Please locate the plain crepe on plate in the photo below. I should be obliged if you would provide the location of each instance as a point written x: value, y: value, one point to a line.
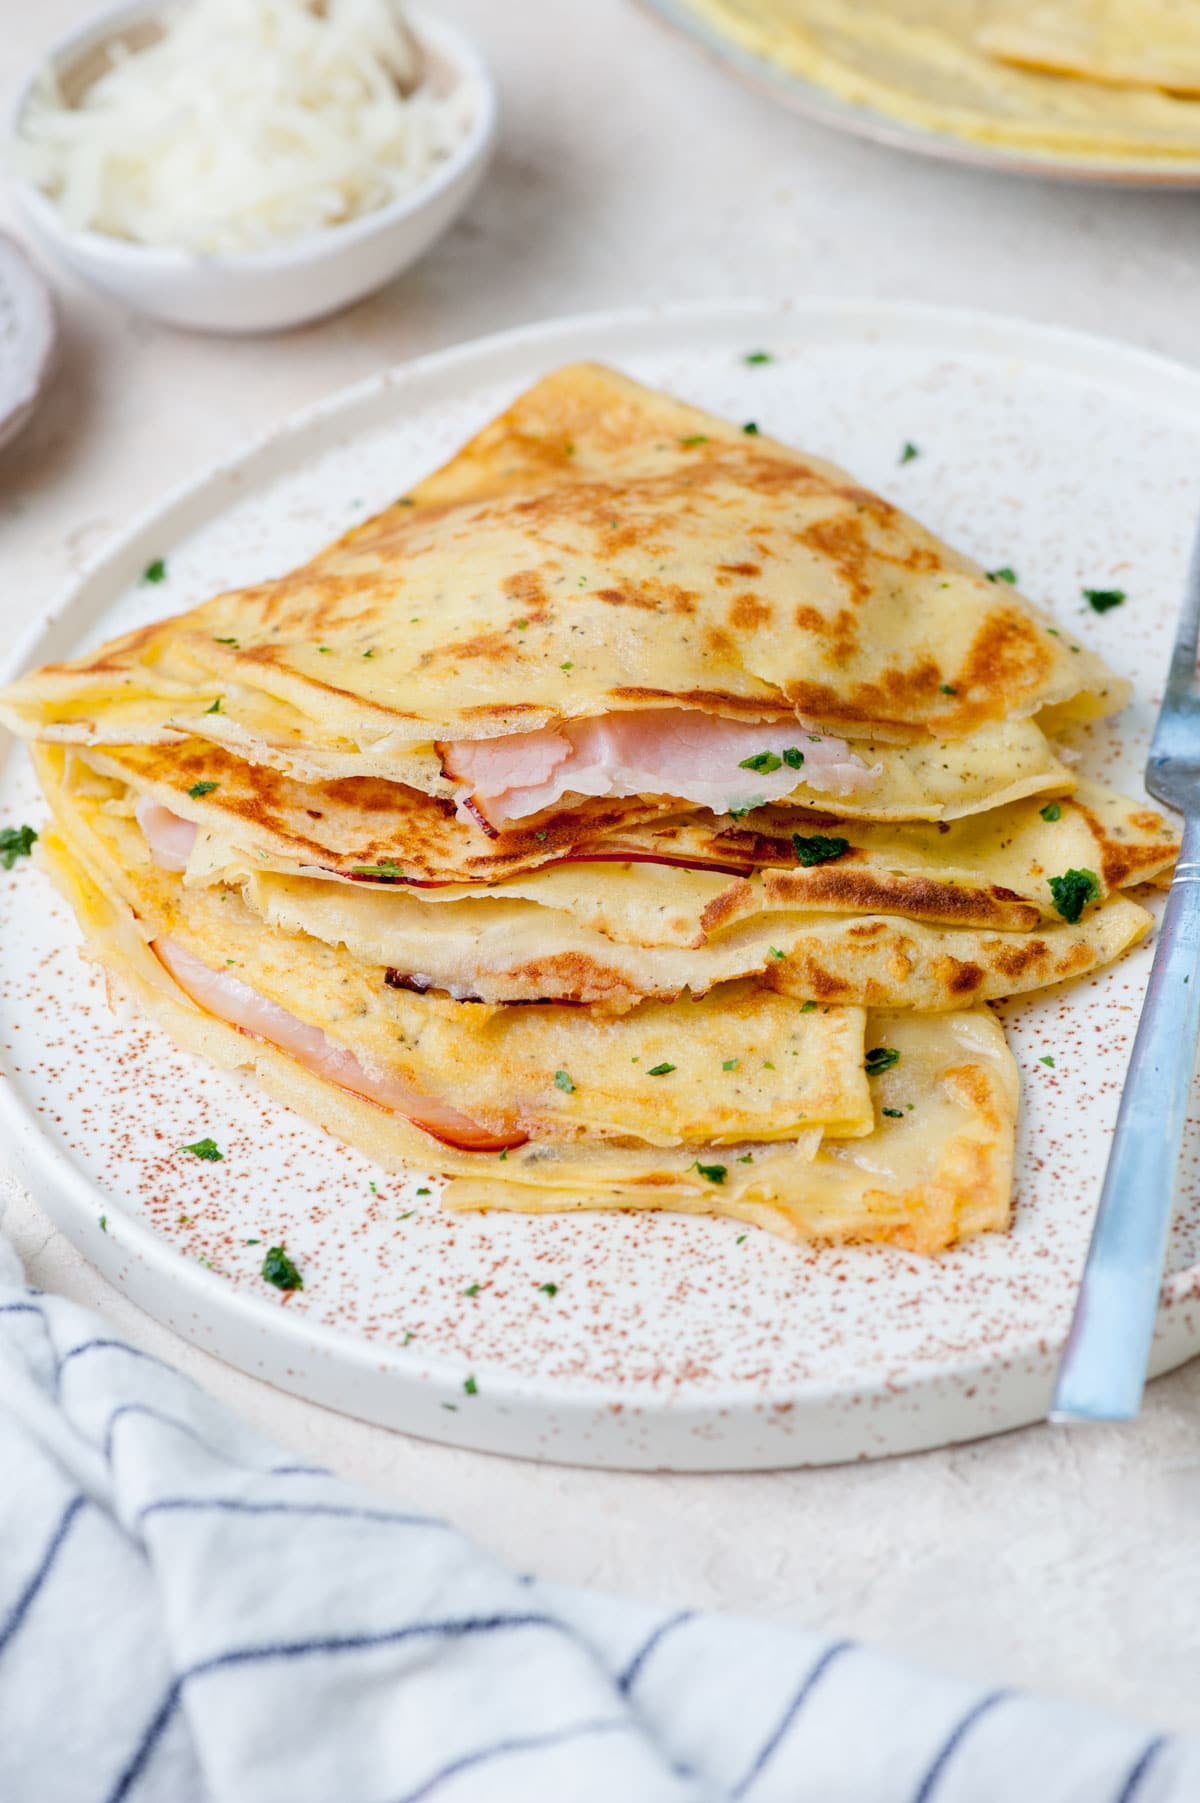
x: 624, y: 817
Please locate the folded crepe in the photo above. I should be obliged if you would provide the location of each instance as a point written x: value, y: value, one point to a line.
x: 579, y: 827
x: 748, y: 1108
x: 606, y: 593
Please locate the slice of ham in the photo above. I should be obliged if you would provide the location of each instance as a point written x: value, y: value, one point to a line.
x: 680, y: 752
x: 169, y: 837
x: 231, y: 1000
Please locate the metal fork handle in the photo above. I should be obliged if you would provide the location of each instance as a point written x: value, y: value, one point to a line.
x: 1103, y: 1371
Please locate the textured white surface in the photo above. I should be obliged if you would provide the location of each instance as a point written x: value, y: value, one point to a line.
x: 630, y: 172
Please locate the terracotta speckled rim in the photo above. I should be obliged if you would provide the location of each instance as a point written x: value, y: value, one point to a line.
x: 597, y: 1423
x: 823, y: 108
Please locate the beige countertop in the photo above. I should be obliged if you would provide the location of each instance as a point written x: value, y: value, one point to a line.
x: 631, y: 172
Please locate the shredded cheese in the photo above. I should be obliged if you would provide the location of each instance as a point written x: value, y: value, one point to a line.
x: 245, y: 123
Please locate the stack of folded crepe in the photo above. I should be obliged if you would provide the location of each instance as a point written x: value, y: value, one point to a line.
x: 636, y: 814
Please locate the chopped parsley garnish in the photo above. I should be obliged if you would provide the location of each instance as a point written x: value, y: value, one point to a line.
x: 472, y: 1289
x: 695, y: 438
x: 156, y: 571
x: 909, y: 452
x: 325, y: 650
x: 278, y: 1269
x: 406, y: 501
x: 562, y: 1080
x: 252, y: 1242
x: 949, y: 689
x: 224, y: 641
x: 1052, y: 811
x: 753, y: 357
x: 1101, y: 599
x: 548, y: 1289
x: 424, y: 1192
x: 1004, y: 574
x: 1073, y: 891
x: 762, y: 761
x: 793, y: 757
x: 660, y: 1070
x: 740, y: 1238
x: 388, y: 870
x: 893, y: 1114
x: 808, y: 1007
x: 730, y: 1064
x: 774, y: 952
x: 371, y: 1186
x: 880, y: 1058
x: 206, y: 1149
x: 750, y: 429
x: 470, y: 1386
x: 541, y: 837
x: 369, y: 653
x: 1047, y: 1060
x: 215, y: 708
x: 715, y: 1173
x: 104, y: 1223
x: 199, y: 789
x: 15, y: 842
x: 521, y: 625
x: 817, y: 849
x: 567, y: 665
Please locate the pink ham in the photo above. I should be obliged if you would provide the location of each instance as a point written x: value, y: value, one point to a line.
x: 169, y: 837
x: 231, y: 1000
x: 681, y: 752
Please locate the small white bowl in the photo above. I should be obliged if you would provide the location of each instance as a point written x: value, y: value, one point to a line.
x: 288, y: 284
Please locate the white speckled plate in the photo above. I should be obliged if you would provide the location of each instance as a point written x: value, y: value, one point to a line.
x: 823, y: 107
x: 670, y: 1341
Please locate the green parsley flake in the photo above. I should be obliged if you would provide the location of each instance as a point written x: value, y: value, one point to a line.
x: 541, y: 837
x: 1047, y: 1060
x: 252, y: 1242
x: 893, y: 1114
x: 1051, y: 812
x: 369, y: 653
x: 762, y: 761
x: 388, y: 871
x: 156, y: 571
x: 424, y: 1192
x: 694, y: 439
x: 949, y: 689
x: 750, y: 429
x: 1101, y: 599
x: 562, y: 1080
x: 793, y: 757
x: 880, y: 1058
x: 278, y: 1269
x: 660, y: 1070
x: 206, y: 1149
x: 372, y: 1188
x: 774, y: 952
x: 909, y: 452
x: 817, y: 849
x: 215, y: 708
x: 753, y: 357
x: 224, y: 641
x: 470, y: 1386
x: 406, y: 501
x: 808, y: 1007
x: 1004, y: 574
x: 548, y: 1289
x: 521, y: 625
x: 730, y: 1064
x: 472, y: 1289
x: 567, y: 665
x: 1073, y: 891
x: 104, y: 1223
x: 740, y: 1238
x: 199, y: 789
x: 15, y: 842
x: 715, y: 1173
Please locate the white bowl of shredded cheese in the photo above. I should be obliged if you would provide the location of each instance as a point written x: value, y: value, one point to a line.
x: 247, y: 165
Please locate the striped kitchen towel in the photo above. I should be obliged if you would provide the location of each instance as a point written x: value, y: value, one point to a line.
x: 189, y: 1616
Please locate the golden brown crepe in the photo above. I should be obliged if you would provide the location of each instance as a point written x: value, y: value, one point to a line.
x: 602, y: 548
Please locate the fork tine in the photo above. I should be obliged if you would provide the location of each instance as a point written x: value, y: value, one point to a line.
x: 1182, y: 673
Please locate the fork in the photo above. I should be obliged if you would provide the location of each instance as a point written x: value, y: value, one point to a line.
x: 1103, y: 1370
